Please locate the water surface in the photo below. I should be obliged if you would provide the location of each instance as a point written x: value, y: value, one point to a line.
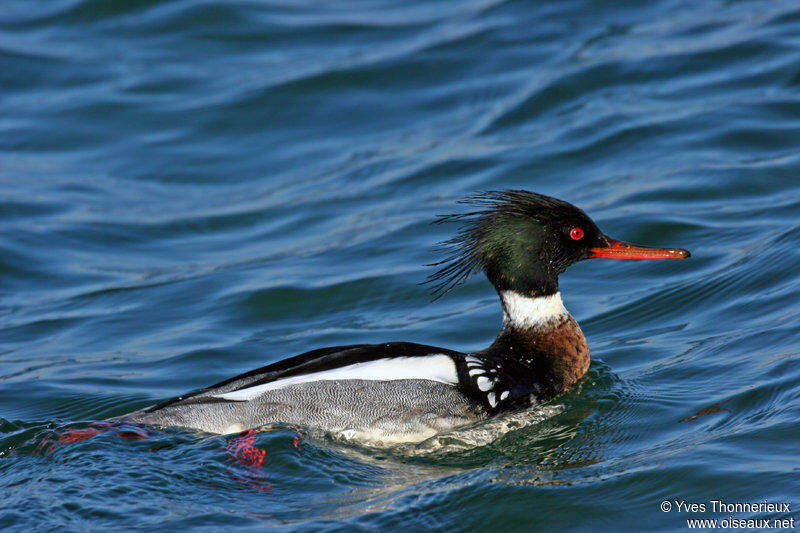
x: 192, y: 189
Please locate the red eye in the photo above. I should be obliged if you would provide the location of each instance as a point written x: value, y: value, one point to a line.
x: 576, y: 234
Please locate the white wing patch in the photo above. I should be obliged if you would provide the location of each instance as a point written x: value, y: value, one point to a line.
x: 492, y: 400
x: 473, y: 362
x: 434, y: 367
x: 485, y: 383
x: 485, y: 379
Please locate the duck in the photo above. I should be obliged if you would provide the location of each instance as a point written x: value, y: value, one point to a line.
x: 522, y: 241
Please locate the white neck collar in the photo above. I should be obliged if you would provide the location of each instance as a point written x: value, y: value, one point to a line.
x: 523, y: 312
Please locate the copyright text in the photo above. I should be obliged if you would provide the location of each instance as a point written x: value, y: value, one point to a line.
x: 731, y: 509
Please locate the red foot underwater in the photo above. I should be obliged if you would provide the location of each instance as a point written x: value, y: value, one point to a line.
x: 48, y: 446
x: 249, y: 461
x: 248, y: 458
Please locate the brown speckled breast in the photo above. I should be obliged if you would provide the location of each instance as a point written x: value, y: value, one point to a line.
x: 556, y: 353
x: 565, y: 352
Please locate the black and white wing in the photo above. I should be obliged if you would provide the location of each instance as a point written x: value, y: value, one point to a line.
x: 500, y: 384
x: 381, y: 362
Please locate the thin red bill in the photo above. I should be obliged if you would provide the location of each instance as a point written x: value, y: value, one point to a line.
x: 623, y: 250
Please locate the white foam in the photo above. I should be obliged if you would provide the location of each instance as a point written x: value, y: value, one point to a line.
x: 482, y: 433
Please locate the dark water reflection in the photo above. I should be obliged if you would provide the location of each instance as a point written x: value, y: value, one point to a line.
x: 189, y: 190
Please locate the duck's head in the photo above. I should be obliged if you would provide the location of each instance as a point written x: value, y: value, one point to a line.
x: 524, y: 240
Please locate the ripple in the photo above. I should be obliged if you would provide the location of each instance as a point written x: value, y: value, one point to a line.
x: 192, y: 189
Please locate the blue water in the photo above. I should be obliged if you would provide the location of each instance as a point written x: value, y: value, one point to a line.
x: 191, y: 189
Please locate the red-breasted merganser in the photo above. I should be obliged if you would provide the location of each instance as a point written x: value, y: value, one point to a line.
x: 401, y: 391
